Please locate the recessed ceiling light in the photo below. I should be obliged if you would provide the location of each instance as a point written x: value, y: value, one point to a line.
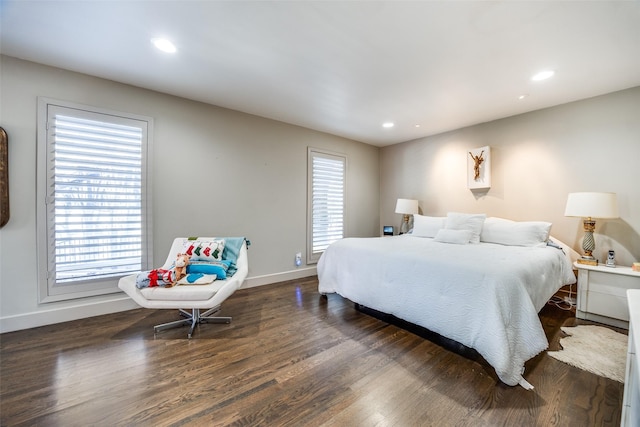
x: 164, y: 45
x: 542, y: 75
x: 417, y: 126
x: 388, y: 125
x: 523, y: 96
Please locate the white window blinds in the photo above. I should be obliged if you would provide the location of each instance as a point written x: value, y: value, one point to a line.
x: 95, y: 198
x: 327, y: 201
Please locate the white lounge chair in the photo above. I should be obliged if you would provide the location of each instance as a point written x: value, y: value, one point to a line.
x: 207, y: 297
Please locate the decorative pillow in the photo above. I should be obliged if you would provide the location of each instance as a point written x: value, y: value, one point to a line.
x: 427, y: 226
x: 515, y: 233
x: 219, y: 268
x: 459, y: 237
x: 462, y: 221
x: 197, y: 279
x: 201, y: 250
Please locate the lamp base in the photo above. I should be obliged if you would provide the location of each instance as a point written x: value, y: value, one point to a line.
x: 587, y: 261
x: 404, y: 226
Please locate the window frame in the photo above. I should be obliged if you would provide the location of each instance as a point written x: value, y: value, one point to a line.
x: 314, y: 256
x: 48, y: 289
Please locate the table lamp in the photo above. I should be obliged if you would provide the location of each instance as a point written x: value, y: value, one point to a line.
x: 589, y: 206
x: 406, y: 207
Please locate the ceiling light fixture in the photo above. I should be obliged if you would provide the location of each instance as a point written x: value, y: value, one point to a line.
x: 523, y: 96
x: 388, y: 125
x: 542, y: 75
x: 164, y: 45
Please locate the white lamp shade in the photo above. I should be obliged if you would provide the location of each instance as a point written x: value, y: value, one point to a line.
x: 594, y: 205
x: 407, y: 206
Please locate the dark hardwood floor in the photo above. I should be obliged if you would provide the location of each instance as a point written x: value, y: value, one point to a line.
x: 289, y: 358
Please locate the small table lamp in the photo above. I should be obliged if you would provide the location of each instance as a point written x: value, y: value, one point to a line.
x: 591, y: 205
x: 406, y: 207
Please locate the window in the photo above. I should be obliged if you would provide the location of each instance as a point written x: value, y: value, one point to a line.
x: 326, y: 201
x: 93, y: 207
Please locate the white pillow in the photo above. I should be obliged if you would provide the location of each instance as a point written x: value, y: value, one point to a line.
x: 515, y: 233
x: 427, y: 226
x: 459, y: 237
x: 471, y: 222
x: 197, y: 279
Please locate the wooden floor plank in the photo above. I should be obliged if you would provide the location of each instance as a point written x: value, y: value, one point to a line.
x: 290, y: 357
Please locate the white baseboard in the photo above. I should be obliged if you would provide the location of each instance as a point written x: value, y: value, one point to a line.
x: 267, y: 279
x: 65, y: 314
x: 121, y: 303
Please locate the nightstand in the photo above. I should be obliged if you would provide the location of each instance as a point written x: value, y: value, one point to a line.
x: 602, y: 293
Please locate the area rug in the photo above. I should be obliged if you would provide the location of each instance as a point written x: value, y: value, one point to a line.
x: 596, y: 349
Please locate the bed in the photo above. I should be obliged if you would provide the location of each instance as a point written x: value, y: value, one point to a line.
x: 482, y: 288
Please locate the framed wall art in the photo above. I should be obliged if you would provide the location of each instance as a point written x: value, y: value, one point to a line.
x: 479, y: 168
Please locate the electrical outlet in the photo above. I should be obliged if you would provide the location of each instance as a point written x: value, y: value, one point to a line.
x: 298, y: 259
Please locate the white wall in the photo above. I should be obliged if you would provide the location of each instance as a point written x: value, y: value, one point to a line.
x: 537, y: 159
x: 258, y: 187
x: 216, y: 172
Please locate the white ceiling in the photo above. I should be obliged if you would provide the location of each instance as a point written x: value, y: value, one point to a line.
x: 343, y: 67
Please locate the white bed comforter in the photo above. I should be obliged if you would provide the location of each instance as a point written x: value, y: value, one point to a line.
x: 485, y: 296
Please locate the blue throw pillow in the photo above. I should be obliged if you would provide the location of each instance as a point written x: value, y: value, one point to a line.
x: 218, y: 268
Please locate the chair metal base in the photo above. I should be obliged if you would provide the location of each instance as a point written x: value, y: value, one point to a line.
x: 193, y: 319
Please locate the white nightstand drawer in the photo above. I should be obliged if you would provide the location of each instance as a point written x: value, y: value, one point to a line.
x: 618, y: 285
x: 608, y: 305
